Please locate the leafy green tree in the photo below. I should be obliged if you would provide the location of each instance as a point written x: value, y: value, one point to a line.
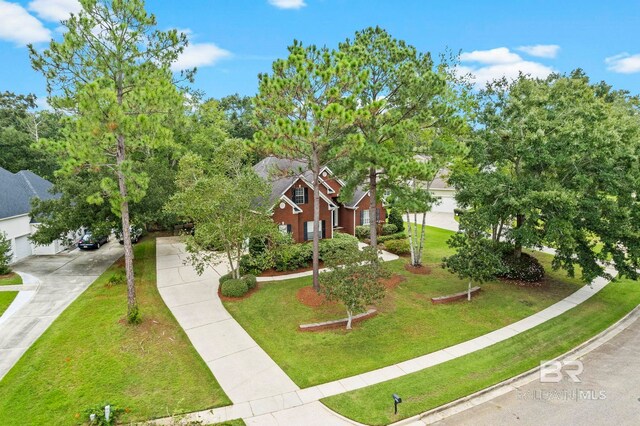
x: 306, y: 107
x: 21, y: 129
x: 404, y: 93
x: 553, y: 162
x: 5, y: 254
x: 476, y: 258
x: 240, y: 113
x: 222, y: 198
x: 353, y: 279
x: 112, y: 72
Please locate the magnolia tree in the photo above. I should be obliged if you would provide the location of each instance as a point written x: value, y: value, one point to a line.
x: 353, y: 279
x: 306, y: 108
x: 111, y: 74
x: 225, y: 199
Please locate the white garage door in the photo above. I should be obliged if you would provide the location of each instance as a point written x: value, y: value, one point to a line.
x: 447, y: 205
x: 23, y: 247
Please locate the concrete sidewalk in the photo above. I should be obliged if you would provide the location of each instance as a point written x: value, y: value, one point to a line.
x: 260, y: 391
x: 62, y: 278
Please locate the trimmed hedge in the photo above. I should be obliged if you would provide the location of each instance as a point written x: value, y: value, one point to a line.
x: 389, y: 228
x: 399, y: 247
x: 396, y: 236
x: 363, y: 231
x: 251, y: 281
x: 225, y: 277
x: 395, y: 218
x: 339, y: 245
x: 234, y: 288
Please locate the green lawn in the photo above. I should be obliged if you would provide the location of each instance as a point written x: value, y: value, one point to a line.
x: 10, y: 279
x: 407, y: 325
x: 446, y: 382
x: 6, y: 297
x: 90, y: 357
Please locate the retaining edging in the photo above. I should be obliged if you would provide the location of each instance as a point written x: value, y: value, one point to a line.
x: 455, y: 297
x: 317, y: 326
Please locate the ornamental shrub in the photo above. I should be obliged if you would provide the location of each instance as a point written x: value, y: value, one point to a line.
x: 362, y: 232
x: 399, y: 247
x: 395, y: 218
x: 389, y: 228
x: 251, y: 281
x: 225, y: 277
x: 339, y: 245
x: 257, y: 263
x: 396, y: 236
x: 5, y: 254
x: 234, y: 288
x: 292, y: 256
x: 525, y: 268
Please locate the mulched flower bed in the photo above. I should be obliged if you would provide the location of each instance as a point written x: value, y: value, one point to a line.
x: 309, y: 297
x: 420, y: 270
x: 274, y: 273
x: 393, y: 281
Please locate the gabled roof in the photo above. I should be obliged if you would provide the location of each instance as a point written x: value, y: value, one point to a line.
x: 18, y: 189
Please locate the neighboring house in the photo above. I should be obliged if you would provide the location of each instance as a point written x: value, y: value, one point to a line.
x: 292, y: 200
x: 447, y: 194
x: 16, y: 192
x: 440, y: 188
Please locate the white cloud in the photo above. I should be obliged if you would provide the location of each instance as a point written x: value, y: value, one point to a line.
x: 500, y: 55
x: 17, y: 25
x: 541, y: 50
x: 624, y: 63
x: 54, y: 10
x: 498, y: 63
x: 287, y: 4
x: 199, y: 55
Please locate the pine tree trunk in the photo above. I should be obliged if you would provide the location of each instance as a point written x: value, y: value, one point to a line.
x: 349, y: 318
x: 316, y: 222
x: 132, y: 304
x: 373, y: 220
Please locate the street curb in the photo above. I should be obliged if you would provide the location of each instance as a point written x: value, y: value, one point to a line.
x: 491, y: 392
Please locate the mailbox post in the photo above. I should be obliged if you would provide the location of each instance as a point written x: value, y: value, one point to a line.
x: 396, y: 400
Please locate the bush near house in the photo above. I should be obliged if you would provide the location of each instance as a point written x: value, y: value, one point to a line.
x: 289, y: 256
x: 395, y: 218
x: 389, y: 228
x: 5, y: 254
x: 525, y: 268
x: 362, y: 232
x: 396, y: 236
x: 399, y: 247
x: 234, y: 288
x: 251, y: 281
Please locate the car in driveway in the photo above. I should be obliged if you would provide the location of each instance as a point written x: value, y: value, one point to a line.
x: 90, y: 241
x: 136, y: 234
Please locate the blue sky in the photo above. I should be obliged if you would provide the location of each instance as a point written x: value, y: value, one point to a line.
x: 234, y: 40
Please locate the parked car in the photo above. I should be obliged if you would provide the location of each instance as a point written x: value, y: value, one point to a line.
x: 136, y: 234
x: 89, y: 241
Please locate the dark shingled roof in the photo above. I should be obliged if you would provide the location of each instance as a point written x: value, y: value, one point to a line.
x: 18, y: 189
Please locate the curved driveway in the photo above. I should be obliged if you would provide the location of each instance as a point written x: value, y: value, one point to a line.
x: 62, y: 277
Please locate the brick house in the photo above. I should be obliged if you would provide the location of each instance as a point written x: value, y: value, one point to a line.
x: 292, y: 200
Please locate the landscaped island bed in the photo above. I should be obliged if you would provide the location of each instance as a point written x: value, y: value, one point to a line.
x: 438, y: 385
x: 6, y: 297
x: 407, y: 324
x: 10, y: 279
x: 89, y: 357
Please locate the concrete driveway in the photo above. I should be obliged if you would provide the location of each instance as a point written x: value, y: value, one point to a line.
x: 608, y: 394
x: 62, y: 278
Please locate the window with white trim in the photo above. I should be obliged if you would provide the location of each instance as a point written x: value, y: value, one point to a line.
x: 365, y: 217
x: 298, y: 195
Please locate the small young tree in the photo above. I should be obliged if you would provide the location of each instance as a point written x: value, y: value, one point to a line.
x: 5, y: 254
x: 395, y: 218
x: 225, y: 200
x: 476, y: 258
x: 354, y: 280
